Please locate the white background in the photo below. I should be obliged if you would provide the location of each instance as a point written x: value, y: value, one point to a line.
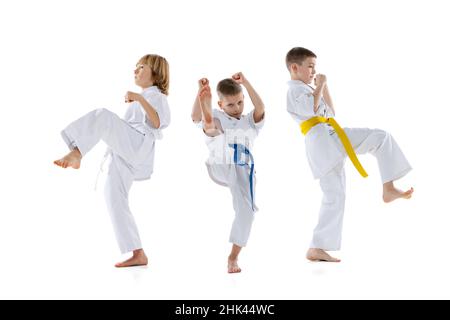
x: 387, y: 63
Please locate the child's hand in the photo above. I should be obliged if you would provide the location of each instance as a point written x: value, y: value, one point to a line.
x: 320, y: 80
x: 239, y: 78
x: 202, y: 82
x: 132, y: 96
x: 204, y: 93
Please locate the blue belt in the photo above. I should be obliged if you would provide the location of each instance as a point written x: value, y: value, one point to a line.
x: 240, y: 149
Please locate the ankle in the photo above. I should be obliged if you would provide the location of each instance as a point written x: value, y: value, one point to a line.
x: 232, y: 258
x: 76, y: 152
x: 139, y: 253
x: 388, y: 186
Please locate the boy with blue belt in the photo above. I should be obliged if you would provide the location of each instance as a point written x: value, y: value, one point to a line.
x: 230, y: 136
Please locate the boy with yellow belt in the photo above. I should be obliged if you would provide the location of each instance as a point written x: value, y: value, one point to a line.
x: 327, y: 146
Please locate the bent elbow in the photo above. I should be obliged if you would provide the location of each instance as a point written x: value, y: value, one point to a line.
x: 195, y: 118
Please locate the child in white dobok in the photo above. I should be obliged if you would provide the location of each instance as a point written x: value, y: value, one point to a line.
x: 327, y: 146
x: 131, y: 147
x: 230, y: 136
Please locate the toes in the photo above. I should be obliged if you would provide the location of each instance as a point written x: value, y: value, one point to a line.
x: 408, y: 193
x: 234, y: 270
x: 122, y: 265
x: 333, y: 259
x: 131, y: 263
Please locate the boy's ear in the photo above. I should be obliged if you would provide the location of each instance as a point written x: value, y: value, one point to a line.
x: 220, y: 104
x: 294, y: 67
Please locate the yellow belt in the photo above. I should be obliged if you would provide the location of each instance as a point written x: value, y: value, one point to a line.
x: 305, y: 126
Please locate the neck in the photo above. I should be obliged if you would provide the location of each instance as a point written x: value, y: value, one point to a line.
x: 297, y: 79
x: 235, y: 116
x: 146, y: 86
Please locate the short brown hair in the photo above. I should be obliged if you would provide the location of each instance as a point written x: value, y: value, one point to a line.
x: 228, y: 87
x: 160, y: 70
x: 298, y: 55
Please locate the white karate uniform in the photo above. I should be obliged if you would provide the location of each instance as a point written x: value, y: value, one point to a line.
x: 223, y: 170
x: 131, y: 148
x: 326, y: 156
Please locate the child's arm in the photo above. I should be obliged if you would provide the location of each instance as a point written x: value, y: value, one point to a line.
x: 320, y: 81
x: 196, y: 114
x: 152, y: 115
x: 258, y: 114
x: 204, y: 98
x: 327, y: 98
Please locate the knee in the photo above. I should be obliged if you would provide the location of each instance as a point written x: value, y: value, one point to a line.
x: 104, y: 117
x: 102, y: 113
x: 381, y: 134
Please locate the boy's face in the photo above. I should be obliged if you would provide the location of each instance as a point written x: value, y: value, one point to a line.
x: 143, y: 76
x: 232, y: 105
x: 305, y: 71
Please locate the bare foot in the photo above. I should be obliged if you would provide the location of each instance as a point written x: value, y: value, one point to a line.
x: 138, y: 259
x: 72, y: 159
x: 390, y: 193
x: 315, y: 254
x: 233, y: 266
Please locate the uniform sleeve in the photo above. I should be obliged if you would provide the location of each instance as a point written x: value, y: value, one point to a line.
x: 161, y: 106
x: 300, y: 103
x: 258, y: 126
x: 216, y: 117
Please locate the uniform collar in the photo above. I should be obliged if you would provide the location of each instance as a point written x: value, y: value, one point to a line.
x: 233, y: 118
x: 150, y: 89
x: 230, y: 117
x: 299, y: 83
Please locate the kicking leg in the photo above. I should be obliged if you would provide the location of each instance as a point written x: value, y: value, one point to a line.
x: 392, y: 163
x: 101, y: 124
